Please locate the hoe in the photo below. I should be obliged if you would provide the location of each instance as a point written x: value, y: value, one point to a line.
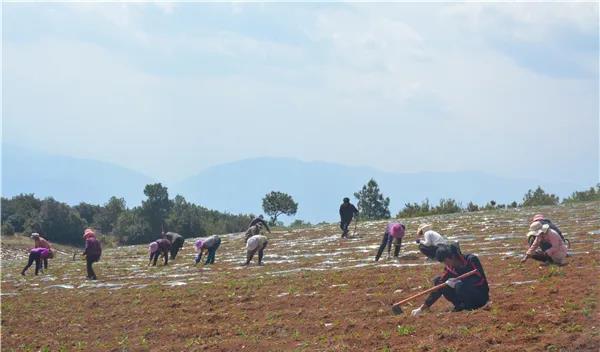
x: 398, y: 310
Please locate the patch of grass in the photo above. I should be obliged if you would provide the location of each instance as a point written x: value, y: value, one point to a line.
x: 424, y: 347
x: 292, y: 290
x: 570, y: 306
x: 124, y: 341
x: 589, y: 304
x: 386, y: 334
x: 494, y: 310
x: 464, y: 330
x: 573, y: 327
x: 553, y: 271
x: 81, y: 345
x: 586, y: 312
x: 405, y: 330
x: 193, y: 341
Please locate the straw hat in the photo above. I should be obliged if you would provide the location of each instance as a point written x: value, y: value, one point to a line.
x: 423, y: 228
x: 88, y: 233
x: 536, y: 228
x: 538, y: 217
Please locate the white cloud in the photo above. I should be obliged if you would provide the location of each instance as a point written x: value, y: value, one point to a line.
x: 403, y: 88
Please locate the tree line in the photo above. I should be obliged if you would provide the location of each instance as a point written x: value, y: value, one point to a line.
x: 373, y: 205
x: 62, y: 223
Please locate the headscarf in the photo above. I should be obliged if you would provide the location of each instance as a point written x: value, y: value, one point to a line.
x: 89, y: 233
x: 153, y: 247
x: 199, y: 243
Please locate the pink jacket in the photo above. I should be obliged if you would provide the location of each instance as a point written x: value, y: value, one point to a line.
x: 558, y: 251
x: 395, y: 229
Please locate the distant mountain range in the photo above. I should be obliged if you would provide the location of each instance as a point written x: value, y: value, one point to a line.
x: 319, y: 187
x: 238, y: 187
x: 68, y: 179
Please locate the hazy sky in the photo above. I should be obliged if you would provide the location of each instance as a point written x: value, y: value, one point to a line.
x: 169, y: 89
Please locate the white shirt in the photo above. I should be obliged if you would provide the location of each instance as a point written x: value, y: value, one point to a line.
x: 432, y: 238
x: 256, y: 241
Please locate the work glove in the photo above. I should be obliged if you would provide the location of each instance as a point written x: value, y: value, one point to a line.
x: 418, y: 241
x: 452, y: 282
x: 416, y: 312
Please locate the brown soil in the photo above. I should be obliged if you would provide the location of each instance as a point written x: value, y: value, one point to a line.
x: 348, y: 309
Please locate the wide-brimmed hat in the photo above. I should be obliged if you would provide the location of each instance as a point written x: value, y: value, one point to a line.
x: 423, y: 228
x: 538, y: 217
x: 88, y: 233
x: 536, y: 228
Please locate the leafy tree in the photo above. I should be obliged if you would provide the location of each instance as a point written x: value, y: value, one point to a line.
x: 87, y: 211
x: 447, y: 206
x: 297, y: 224
x: 471, y: 207
x: 278, y: 203
x: 7, y: 229
x: 371, y: 203
x: 131, y: 227
x: 185, y: 218
x: 415, y: 209
x: 491, y: 205
x: 108, y: 215
x: 156, y: 208
x: 592, y: 194
x: 539, y: 197
x: 59, y: 222
x: 19, y: 209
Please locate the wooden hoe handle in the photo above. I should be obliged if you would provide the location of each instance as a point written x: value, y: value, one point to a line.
x: 434, y: 288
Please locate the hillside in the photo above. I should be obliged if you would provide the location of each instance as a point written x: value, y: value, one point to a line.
x: 315, y: 293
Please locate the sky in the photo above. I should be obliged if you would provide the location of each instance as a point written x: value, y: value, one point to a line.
x: 169, y: 89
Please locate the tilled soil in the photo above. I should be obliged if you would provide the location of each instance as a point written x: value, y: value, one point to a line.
x: 315, y: 292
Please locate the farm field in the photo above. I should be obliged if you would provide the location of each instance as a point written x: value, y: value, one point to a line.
x: 316, y: 292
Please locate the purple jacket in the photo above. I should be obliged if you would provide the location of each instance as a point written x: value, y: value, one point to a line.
x: 164, y: 245
x: 43, y: 252
x: 93, y: 250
